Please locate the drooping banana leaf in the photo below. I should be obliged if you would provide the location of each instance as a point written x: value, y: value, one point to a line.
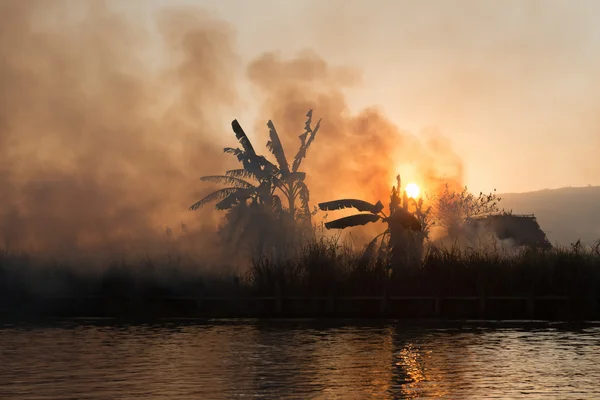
x: 360, y: 205
x: 240, y: 173
x: 227, y: 180
x: 240, y: 196
x: 353, y: 220
x: 275, y: 146
x: 304, y: 195
x: 217, y: 195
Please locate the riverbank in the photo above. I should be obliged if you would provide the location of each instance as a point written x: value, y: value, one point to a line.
x: 559, y: 308
x: 324, y: 281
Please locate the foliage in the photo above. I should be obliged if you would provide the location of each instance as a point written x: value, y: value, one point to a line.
x: 256, y: 213
x: 399, y: 238
x: 326, y: 266
x: 451, y: 209
x: 288, y: 180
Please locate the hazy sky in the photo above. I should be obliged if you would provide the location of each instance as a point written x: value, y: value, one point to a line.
x: 513, y: 84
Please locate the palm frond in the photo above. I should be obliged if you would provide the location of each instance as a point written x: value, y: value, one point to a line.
x: 240, y: 173
x: 360, y: 205
x: 274, y: 145
x: 237, y: 197
x: 235, y: 152
x: 227, y: 180
x: 218, y: 195
x: 353, y: 220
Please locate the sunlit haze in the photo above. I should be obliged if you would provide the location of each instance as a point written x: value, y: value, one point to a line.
x: 512, y: 84
x: 412, y: 190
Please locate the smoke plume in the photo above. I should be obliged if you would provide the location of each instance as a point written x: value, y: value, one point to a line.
x: 101, y: 145
x: 99, y: 151
x: 354, y: 155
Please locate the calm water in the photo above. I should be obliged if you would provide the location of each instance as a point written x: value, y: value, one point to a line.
x: 345, y: 360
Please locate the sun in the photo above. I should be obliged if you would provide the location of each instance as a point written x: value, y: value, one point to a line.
x: 412, y: 190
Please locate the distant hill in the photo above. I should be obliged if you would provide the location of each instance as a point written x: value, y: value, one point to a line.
x: 565, y: 214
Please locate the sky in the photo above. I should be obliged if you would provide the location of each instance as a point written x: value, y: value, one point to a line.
x: 513, y: 85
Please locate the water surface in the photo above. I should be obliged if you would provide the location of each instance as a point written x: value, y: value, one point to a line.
x: 297, y: 359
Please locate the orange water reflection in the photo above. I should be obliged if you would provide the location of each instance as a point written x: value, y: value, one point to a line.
x: 283, y: 359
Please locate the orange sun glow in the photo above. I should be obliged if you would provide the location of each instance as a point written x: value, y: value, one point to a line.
x: 412, y: 190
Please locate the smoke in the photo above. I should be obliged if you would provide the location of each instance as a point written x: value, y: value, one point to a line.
x: 102, y: 142
x: 355, y: 155
x: 99, y: 150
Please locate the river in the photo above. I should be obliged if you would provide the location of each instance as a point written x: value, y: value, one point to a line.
x: 340, y: 359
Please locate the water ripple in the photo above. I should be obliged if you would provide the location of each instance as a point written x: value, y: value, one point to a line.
x: 222, y: 360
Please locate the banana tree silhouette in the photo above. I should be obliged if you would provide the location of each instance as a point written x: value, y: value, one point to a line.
x: 288, y: 180
x: 253, y: 209
x: 400, y: 223
x: 252, y: 197
x: 241, y: 189
x: 269, y: 177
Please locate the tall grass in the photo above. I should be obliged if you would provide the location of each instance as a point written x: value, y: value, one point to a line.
x: 327, y: 267
x: 324, y: 266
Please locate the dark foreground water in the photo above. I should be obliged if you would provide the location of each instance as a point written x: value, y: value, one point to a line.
x: 302, y: 359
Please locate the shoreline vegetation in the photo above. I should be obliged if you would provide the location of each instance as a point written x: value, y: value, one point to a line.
x: 400, y: 273
x: 326, y: 279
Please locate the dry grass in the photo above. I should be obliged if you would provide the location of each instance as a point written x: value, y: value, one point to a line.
x: 321, y: 267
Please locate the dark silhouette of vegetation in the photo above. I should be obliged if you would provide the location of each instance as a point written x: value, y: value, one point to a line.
x: 325, y: 266
x: 253, y: 199
x: 322, y: 267
x: 451, y: 210
x: 401, y: 243
x: 523, y: 230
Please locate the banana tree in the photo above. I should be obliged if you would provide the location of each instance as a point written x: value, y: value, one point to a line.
x: 252, y: 196
x: 240, y: 188
x: 269, y: 177
x: 288, y: 179
x: 400, y: 223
